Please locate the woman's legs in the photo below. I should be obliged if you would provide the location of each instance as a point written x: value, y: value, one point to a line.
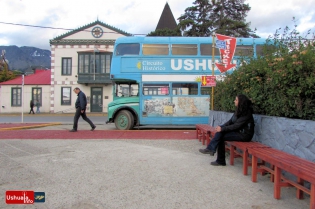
x: 230, y: 136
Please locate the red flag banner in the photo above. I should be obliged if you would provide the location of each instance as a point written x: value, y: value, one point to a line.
x: 226, y: 53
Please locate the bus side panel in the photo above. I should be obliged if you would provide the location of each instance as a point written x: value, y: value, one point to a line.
x: 185, y: 110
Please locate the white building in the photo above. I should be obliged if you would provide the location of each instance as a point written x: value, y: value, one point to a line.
x: 15, y: 97
x: 81, y: 58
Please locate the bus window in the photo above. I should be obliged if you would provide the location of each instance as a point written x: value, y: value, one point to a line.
x: 242, y: 50
x: 155, y: 49
x: 155, y: 89
x: 206, y: 49
x: 127, y: 49
x: 126, y: 90
x: 184, y: 49
x: 185, y: 88
x: 261, y: 50
x: 205, y: 90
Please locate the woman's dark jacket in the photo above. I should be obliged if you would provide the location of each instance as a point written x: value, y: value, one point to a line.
x: 244, y: 125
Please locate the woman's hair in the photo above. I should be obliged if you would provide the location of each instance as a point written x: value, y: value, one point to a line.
x: 244, y: 105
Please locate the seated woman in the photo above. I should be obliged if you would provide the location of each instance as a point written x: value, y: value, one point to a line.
x: 239, y: 128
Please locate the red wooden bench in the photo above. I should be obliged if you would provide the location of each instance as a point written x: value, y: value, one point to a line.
x: 304, y: 170
x: 240, y: 149
x: 204, y: 133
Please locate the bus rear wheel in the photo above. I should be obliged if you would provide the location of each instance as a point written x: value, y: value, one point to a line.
x: 124, y: 120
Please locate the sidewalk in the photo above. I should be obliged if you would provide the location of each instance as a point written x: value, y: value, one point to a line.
x: 131, y: 174
x: 51, y: 114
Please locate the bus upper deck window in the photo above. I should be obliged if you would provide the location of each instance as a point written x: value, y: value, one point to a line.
x: 155, y: 49
x: 262, y: 50
x: 242, y: 50
x: 127, y: 49
x: 184, y: 49
x: 206, y: 49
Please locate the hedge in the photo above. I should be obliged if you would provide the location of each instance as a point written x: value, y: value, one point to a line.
x: 280, y: 83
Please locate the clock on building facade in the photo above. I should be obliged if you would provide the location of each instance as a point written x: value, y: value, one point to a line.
x: 97, y: 32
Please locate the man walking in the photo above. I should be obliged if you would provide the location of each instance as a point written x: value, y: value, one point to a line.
x: 80, y: 106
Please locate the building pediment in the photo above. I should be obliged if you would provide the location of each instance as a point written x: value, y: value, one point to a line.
x: 93, y: 33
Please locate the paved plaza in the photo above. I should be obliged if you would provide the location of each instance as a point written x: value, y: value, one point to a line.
x: 125, y: 173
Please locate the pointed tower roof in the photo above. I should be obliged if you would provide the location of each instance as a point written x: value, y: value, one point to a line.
x: 167, y: 19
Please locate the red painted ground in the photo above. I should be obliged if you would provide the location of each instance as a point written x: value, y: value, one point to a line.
x: 99, y: 134
x: 87, y: 134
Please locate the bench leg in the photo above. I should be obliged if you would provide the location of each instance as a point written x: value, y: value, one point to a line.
x: 254, y: 168
x: 208, y: 138
x: 277, y: 182
x: 272, y: 176
x: 245, y: 162
x: 198, y: 134
x: 312, y: 195
x: 232, y: 154
x: 299, y: 193
x: 203, y: 135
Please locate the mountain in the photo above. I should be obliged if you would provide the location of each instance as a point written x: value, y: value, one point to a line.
x: 25, y: 57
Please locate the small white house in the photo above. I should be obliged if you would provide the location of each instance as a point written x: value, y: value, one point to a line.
x: 15, y: 96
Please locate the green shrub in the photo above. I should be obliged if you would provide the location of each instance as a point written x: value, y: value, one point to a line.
x: 281, y: 83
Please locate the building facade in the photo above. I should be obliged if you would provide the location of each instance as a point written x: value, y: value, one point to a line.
x: 17, y: 93
x: 82, y: 58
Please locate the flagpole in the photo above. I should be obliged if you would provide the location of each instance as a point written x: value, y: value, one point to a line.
x: 213, y: 47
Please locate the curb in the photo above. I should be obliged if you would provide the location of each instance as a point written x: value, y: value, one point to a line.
x: 29, y: 127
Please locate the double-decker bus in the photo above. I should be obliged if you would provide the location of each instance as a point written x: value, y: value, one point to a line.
x: 157, y: 80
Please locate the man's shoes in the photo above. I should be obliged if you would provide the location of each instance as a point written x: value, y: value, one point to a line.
x: 73, y: 130
x: 92, y: 129
x: 215, y: 163
x: 206, y: 151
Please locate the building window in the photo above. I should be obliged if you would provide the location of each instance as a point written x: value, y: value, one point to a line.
x: 66, y: 66
x: 37, y: 95
x: 98, y: 63
x: 16, y: 97
x: 65, y: 95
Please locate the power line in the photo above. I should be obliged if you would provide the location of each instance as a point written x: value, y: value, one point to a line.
x: 46, y: 27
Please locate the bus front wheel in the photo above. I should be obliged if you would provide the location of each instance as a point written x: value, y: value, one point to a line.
x: 124, y: 120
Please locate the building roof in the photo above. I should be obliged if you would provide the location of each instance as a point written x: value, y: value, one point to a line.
x: 60, y: 39
x: 40, y: 77
x: 167, y: 19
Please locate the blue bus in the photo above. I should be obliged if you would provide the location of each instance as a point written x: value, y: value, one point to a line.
x: 157, y: 80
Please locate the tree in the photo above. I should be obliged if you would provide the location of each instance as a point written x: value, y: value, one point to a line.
x: 226, y: 17
x: 166, y: 32
x: 280, y: 83
x: 5, y: 74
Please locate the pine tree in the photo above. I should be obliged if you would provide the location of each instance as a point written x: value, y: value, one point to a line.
x: 226, y: 17
x: 165, y: 32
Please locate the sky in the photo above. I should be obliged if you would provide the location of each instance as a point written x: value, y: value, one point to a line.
x: 132, y: 16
